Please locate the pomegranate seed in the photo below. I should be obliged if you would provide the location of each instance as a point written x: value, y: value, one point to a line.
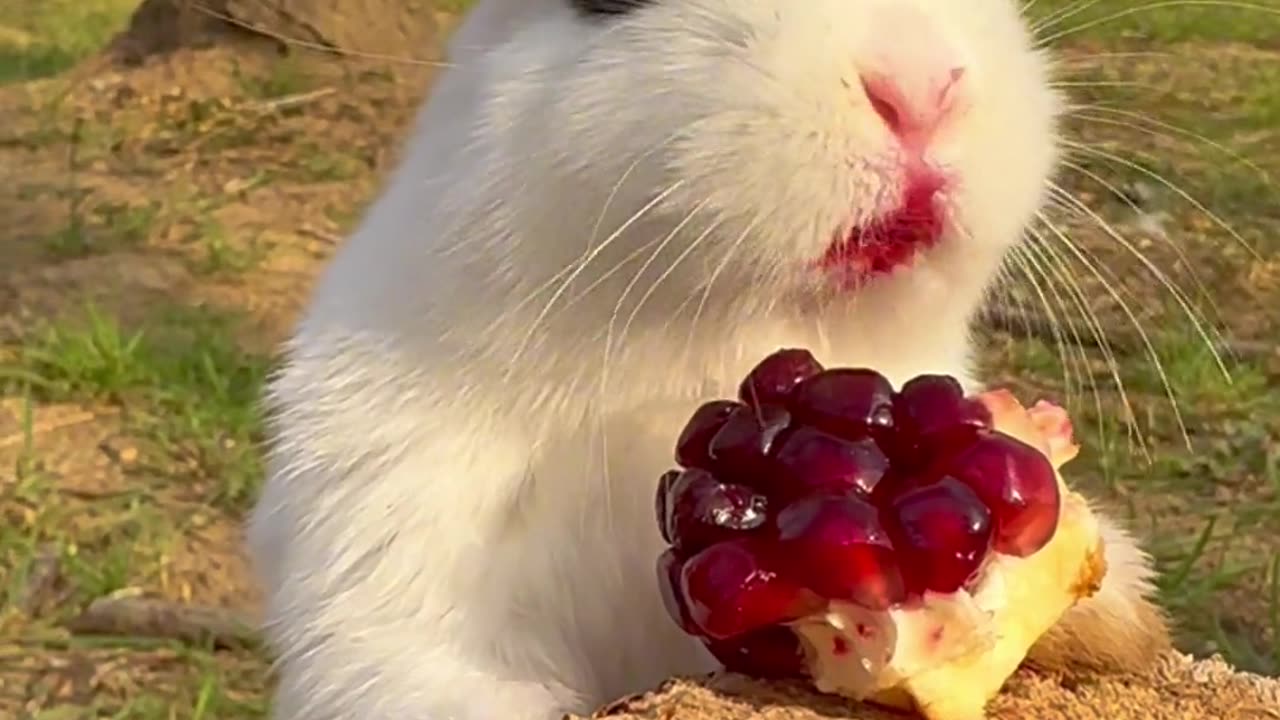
x: 1018, y: 484
x: 771, y: 652
x: 942, y: 533
x: 930, y: 404
x: 934, y: 419
x: 825, y: 484
x: 702, y: 511
x: 729, y: 591
x: 840, y: 551
x: 771, y: 381
x: 691, y: 447
x: 848, y: 402
x: 897, y: 482
x: 809, y: 460
x: 669, y: 568
x: 739, y: 451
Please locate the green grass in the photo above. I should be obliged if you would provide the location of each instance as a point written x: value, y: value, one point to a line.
x: 1158, y: 22
x: 40, y: 38
x: 220, y: 254
x: 319, y: 164
x: 1209, y: 514
x: 189, y: 395
x: 183, y: 379
x: 150, y: 680
x: 286, y: 76
x: 108, y: 227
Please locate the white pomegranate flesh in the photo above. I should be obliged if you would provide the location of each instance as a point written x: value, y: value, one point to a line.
x: 904, y: 546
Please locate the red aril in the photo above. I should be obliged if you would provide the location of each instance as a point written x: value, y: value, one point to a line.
x: 809, y: 460
x: 772, y: 380
x: 835, y: 546
x: 730, y: 590
x: 769, y: 652
x: 670, y: 566
x: 848, y: 402
x: 691, y: 446
x: 933, y: 417
x: 702, y: 511
x: 1018, y: 484
x: 942, y: 532
x: 739, y: 450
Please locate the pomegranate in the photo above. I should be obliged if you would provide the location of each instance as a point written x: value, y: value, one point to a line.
x: 903, y: 546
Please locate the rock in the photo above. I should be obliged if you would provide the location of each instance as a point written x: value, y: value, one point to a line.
x: 1179, y: 688
x: 121, y: 450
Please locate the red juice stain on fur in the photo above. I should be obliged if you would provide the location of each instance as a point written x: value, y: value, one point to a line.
x: 890, y: 241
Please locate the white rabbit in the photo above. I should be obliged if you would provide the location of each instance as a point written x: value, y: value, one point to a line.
x: 608, y: 212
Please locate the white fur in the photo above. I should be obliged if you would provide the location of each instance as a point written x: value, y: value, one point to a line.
x: 458, y: 519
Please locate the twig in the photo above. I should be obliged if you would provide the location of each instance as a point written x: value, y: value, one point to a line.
x: 142, y: 617
x: 321, y: 235
x: 294, y: 100
x: 47, y: 426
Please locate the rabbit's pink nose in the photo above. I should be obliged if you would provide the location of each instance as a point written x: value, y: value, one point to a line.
x: 914, y: 116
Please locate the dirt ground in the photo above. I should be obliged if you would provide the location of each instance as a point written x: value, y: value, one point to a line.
x: 163, y: 222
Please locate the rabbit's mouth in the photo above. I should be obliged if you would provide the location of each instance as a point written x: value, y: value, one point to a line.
x: 891, y: 241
